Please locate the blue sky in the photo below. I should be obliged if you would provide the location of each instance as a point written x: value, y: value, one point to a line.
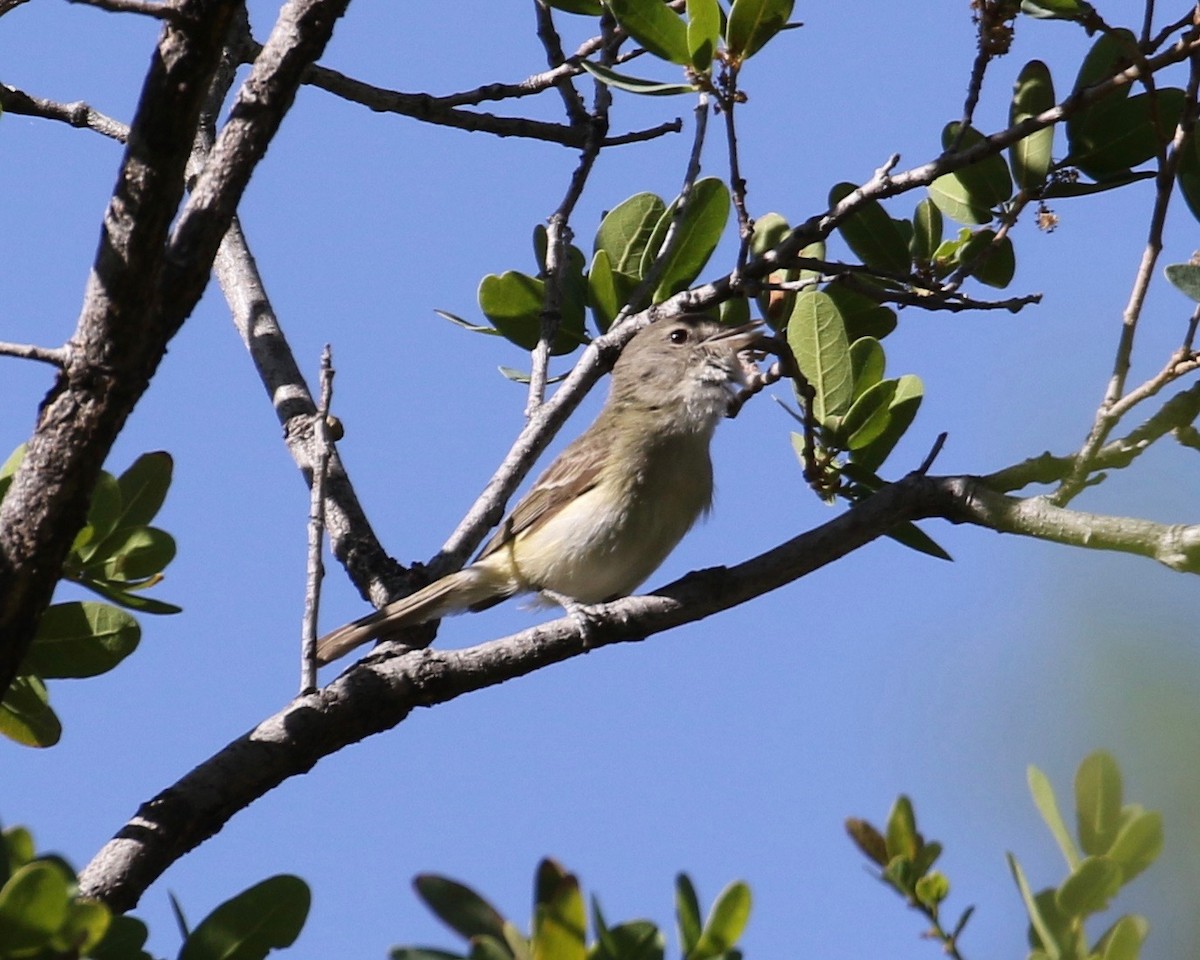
x: 731, y: 748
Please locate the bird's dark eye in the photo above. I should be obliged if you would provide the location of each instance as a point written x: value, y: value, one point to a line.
x: 678, y: 335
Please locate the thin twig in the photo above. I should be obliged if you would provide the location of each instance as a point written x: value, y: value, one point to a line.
x: 729, y: 97
x: 55, y: 356
x: 1112, y: 407
x: 577, y: 114
x: 77, y: 114
x: 161, y: 11
x: 316, y: 530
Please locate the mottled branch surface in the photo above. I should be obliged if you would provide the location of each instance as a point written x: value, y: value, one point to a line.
x: 144, y: 283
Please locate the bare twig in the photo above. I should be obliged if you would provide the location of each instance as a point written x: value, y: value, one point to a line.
x: 151, y: 8
x: 55, y: 356
x: 316, y: 530
x: 77, y: 114
x: 1114, y: 405
x: 577, y: 114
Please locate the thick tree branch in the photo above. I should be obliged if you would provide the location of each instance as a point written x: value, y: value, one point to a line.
x: 120, y: 337
x: 145, y: 282
x: 380, y: 691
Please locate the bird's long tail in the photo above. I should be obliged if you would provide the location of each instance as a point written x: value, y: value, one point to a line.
x: 454, y: 593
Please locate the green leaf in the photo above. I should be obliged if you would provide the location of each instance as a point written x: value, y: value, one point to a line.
x: 1109, y: 142
x: 144, y: 488
x: 927, y: 231
x: 735, y: 312
x: 459, y: 907
x: 268, y: 916
x: 639, y: 85
x: 1037, y: 920
x: 513, y: 302
x: 1089, y: 887
x: 932, y: 889
x: 908, y: 534
x: 1047, y: 804
x: 560, y: 918
x: 104, y: 514
x: 725, y: 924
x: 9, y: 467
x: 84, y: 928
x: 769, y: 231
x: 698, y: 233
x: 421, y: 953
x: 817, y: 336
x: 655, y: 26
x: 868, y: 416
x: 25, y: 713
x: 1186, y: 277
x: 970, y: 194
x: 997, y: 266
x: 901, y: 832
x: 588, y: 8
x: 81, y: 639
x: 1031, y: 156
x: 752, y: 23
x: 1123, y: 940
x: 602, y: 291
x: 868, y: 362
x: 872, y: 234
x: 1113, y: 51
x: 1138, y: 844
x: 1098, y: 802
x: 489, y: 948
x: 130, y: 554
x: 635, y: 940
x: 902, y: 411
x: 1080, y: 188
x: 33, y: 906
x: 1053, y: 9
x: 703, y: 32
x: 130, y: 600
x: 862, y: 316
x: 1189, y: 185
x: 687, y: 913
x: 123, y: 940
x: 626, y: 229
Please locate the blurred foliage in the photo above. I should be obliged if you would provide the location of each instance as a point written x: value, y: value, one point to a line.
x: 43, y: 917
x: 559, y: 925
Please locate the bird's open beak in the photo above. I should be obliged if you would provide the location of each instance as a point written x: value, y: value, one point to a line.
x: 739, y: 338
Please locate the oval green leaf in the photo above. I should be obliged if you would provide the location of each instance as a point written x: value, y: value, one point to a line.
x: 872, y: 234
x: 1109, y: 142
x: 817, y: 336
x: 1089, y: 887
x: 1098, y: 802
x: 869, y: 415
x: 697, y: 235
x: 868, y: 362
x: 1123, y: 940
x: 144, y: 488
x: 1032, y: 95
x: 927, y: 231
x: 703, y: 32
x: 25, y: 713
x: 1138, y: 843
x: 863, y: 316
x: 459, y: 907
x: 1047, y: 805
x: 990, y: 261
x: 725, y: 924
x: 82, y: 639
x: 626, y: 229
x: 752, y: 23
x: 655, y: 26
x: 268, y: 916
x: 1186, y: 278
x: 33, y: 906
x: 902, y: 411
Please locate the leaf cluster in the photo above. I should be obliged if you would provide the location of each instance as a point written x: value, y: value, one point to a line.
x: 1114, y: 843
x: 117, y: 555
x: 633, y: 265
x: 559, y: 927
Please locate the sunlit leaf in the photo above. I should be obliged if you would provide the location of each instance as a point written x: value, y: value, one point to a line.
x: 752, y: 23
x: 638, y: 85
x: 817, y: 336
x: 81, y: 639
x: 267, y: 916
x: 655, y: 26
x: 1033, y: 94
x: 872, y: 234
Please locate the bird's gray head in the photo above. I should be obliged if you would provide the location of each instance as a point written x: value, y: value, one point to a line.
x: 686, y: 370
